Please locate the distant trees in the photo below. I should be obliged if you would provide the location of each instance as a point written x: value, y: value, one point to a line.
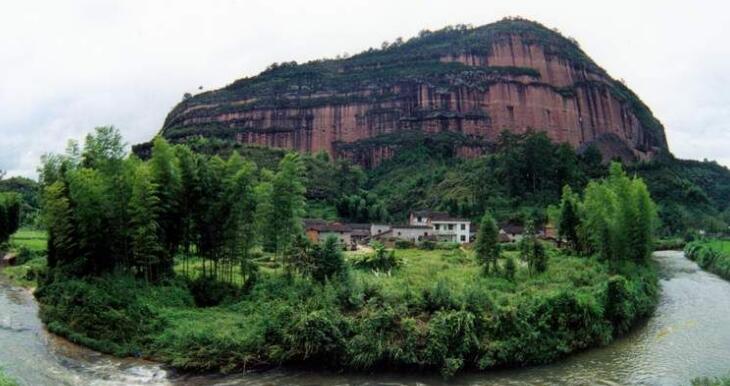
x: 105, y: 211
x: 9, y: 215
x: 486, y: 246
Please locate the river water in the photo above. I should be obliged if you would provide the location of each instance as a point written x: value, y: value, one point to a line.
x: 689, y: 336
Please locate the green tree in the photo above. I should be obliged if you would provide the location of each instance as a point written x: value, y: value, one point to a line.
x: 618, y: 217
x: 143, y: 207
x: 165, y: 175
x: 58, y: 219
x: 287, y: 202
x: 532, y: 251
x: 487, y: 247
x: 327, y: 260
x: 9, y: 215
x: 569, y: 220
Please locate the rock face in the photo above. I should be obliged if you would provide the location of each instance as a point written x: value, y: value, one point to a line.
x: 513, y: 75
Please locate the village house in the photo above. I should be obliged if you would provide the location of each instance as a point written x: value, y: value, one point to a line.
x: 320, y: 230
x: 444, y: 226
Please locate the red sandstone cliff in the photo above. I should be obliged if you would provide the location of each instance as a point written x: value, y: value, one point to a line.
x: 511, y: 75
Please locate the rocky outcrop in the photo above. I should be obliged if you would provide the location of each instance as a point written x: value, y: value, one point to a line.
x: 512, y: 75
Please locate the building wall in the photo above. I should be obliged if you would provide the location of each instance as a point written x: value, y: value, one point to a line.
x: 459, y: 233
x: 411, y: 234
x: 343, y: 237
x: 376, y: 229
x: 415, y: 220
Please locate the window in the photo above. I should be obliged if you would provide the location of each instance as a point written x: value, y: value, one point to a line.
x: 425, y: 233
x: 419, y: 219
x: 436, y: 226
x: 451, y: 227
x: 463, y: 238
x: 463, y: 227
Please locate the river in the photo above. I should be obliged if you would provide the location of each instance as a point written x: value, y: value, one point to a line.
x: 689, y: 336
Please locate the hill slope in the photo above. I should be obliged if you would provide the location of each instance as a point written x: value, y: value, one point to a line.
x: 513, y: 75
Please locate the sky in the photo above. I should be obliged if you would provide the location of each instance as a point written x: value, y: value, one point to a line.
x: 67, y: 66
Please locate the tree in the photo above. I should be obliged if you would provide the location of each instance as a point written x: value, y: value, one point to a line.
x: 9, y: 215
x: 165, y: 177
x: 532, y: 251
x: 569, y: 220
x: 58, y: 219
x: 510, y: 268
x: 240, y: 225
x: 287, y: 203
x: 487, y: 247
x: 147, y: 248
x: 618, y: 217
x: 327, y: 260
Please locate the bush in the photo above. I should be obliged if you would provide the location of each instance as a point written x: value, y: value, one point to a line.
x: 208, y: 291
x: 404, y: 244
x: 711, y: 256
x: 447, y: 245
x: 380, y: 260
x: 427, y: 245
x: 106, y: 314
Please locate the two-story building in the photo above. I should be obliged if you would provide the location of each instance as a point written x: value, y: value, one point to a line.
x: 444, y: 226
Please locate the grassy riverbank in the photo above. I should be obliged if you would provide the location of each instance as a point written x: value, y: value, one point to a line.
x: 29, y: 246
x: 711, y: 255
x: 5, y: 380
x: 435, y: 312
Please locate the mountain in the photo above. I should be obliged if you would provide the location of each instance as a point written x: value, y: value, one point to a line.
x: 469, y: 83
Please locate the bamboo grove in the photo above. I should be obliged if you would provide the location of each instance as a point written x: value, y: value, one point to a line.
x: 108, y: 212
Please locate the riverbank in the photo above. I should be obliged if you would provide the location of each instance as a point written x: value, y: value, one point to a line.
x: 6, y: 380
x: 434, y: 313
x: 711, y: 255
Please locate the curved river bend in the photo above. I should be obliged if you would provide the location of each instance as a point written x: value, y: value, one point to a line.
x: 689, y: 336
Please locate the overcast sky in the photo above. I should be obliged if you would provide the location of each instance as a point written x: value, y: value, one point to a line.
x: 68, y: 66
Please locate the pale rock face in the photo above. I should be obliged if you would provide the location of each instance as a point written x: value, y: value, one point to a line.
x: 588, y: 113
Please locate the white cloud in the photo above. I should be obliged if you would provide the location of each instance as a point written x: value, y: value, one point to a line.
x: 67, y: 66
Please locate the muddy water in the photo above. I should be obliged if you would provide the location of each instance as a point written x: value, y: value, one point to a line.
x: 688, y: 336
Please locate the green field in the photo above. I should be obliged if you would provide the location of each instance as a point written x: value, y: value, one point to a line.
x: 34, y: 240
x: 29, y: 247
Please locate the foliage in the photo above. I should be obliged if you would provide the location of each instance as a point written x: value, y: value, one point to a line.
x: 532, y: 251
x: 711, y: 255
x: 487, y: 247
x: 29, y: 193
x: 9, y: 215
x: 107, y: 213
x: 5, y: 380
x: 431, y: 313
x: 381, y: 259
x: 618, y: 217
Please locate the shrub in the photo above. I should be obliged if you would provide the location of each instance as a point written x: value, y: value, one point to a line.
x: 427, y: 245
x: 404, y: 244
x: 208, y: 291
x: 380, y: 260
x: 105, y: 313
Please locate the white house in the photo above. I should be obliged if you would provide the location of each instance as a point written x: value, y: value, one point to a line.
x: 445, y: 227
